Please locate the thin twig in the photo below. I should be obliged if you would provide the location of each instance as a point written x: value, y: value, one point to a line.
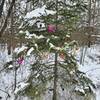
x: 5, y: 92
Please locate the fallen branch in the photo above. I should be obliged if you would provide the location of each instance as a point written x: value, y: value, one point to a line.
x: 5, y: 92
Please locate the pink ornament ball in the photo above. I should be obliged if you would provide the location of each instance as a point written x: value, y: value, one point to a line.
x: 20, y: 60
x: 51, y: 28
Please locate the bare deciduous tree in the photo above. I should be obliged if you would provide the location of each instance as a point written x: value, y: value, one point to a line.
x: 6, y: 19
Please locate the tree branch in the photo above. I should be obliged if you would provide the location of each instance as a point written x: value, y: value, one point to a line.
x: 5, y: 92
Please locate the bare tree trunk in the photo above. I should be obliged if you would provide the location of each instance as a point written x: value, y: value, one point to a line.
x: 9, y: 47
x: 56, y: 57
x: 1, y: 7
x: 94, y: 11
x: 15, y: 72
x: 6, y: 20
x: 55, y: 78
x: 10, y: 41
x: 89, y: 23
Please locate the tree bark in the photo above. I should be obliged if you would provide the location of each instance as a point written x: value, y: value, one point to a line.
x: 6, y: 20
x: 56, y: 57
x: 1, y: 7
x: 55, y: 78
x: 89, y: 23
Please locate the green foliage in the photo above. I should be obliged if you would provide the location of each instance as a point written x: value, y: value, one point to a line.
x: 66, y: 19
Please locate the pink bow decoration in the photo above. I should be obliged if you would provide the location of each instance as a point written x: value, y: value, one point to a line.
x: 51, y: 28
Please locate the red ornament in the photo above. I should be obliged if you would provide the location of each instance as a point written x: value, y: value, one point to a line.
x: 51, y: 28
x: 62, y: 56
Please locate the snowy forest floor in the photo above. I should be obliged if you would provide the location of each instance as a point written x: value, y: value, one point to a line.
x: 88, y: 57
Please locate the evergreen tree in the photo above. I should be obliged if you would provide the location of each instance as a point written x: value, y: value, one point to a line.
x: 51, y: 33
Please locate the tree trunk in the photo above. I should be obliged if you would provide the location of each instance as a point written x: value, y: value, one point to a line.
x: 56, y: 57
x: 55, y: 78
x: 89, y: 23
x: 6, y: 20
x: 1, y: 7
x: 15, y: 73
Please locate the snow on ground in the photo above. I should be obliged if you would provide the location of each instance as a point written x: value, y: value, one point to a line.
x: 98, y: 94
x: 20, y: 87
x: 91, y: 66
x: 7, y: 76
